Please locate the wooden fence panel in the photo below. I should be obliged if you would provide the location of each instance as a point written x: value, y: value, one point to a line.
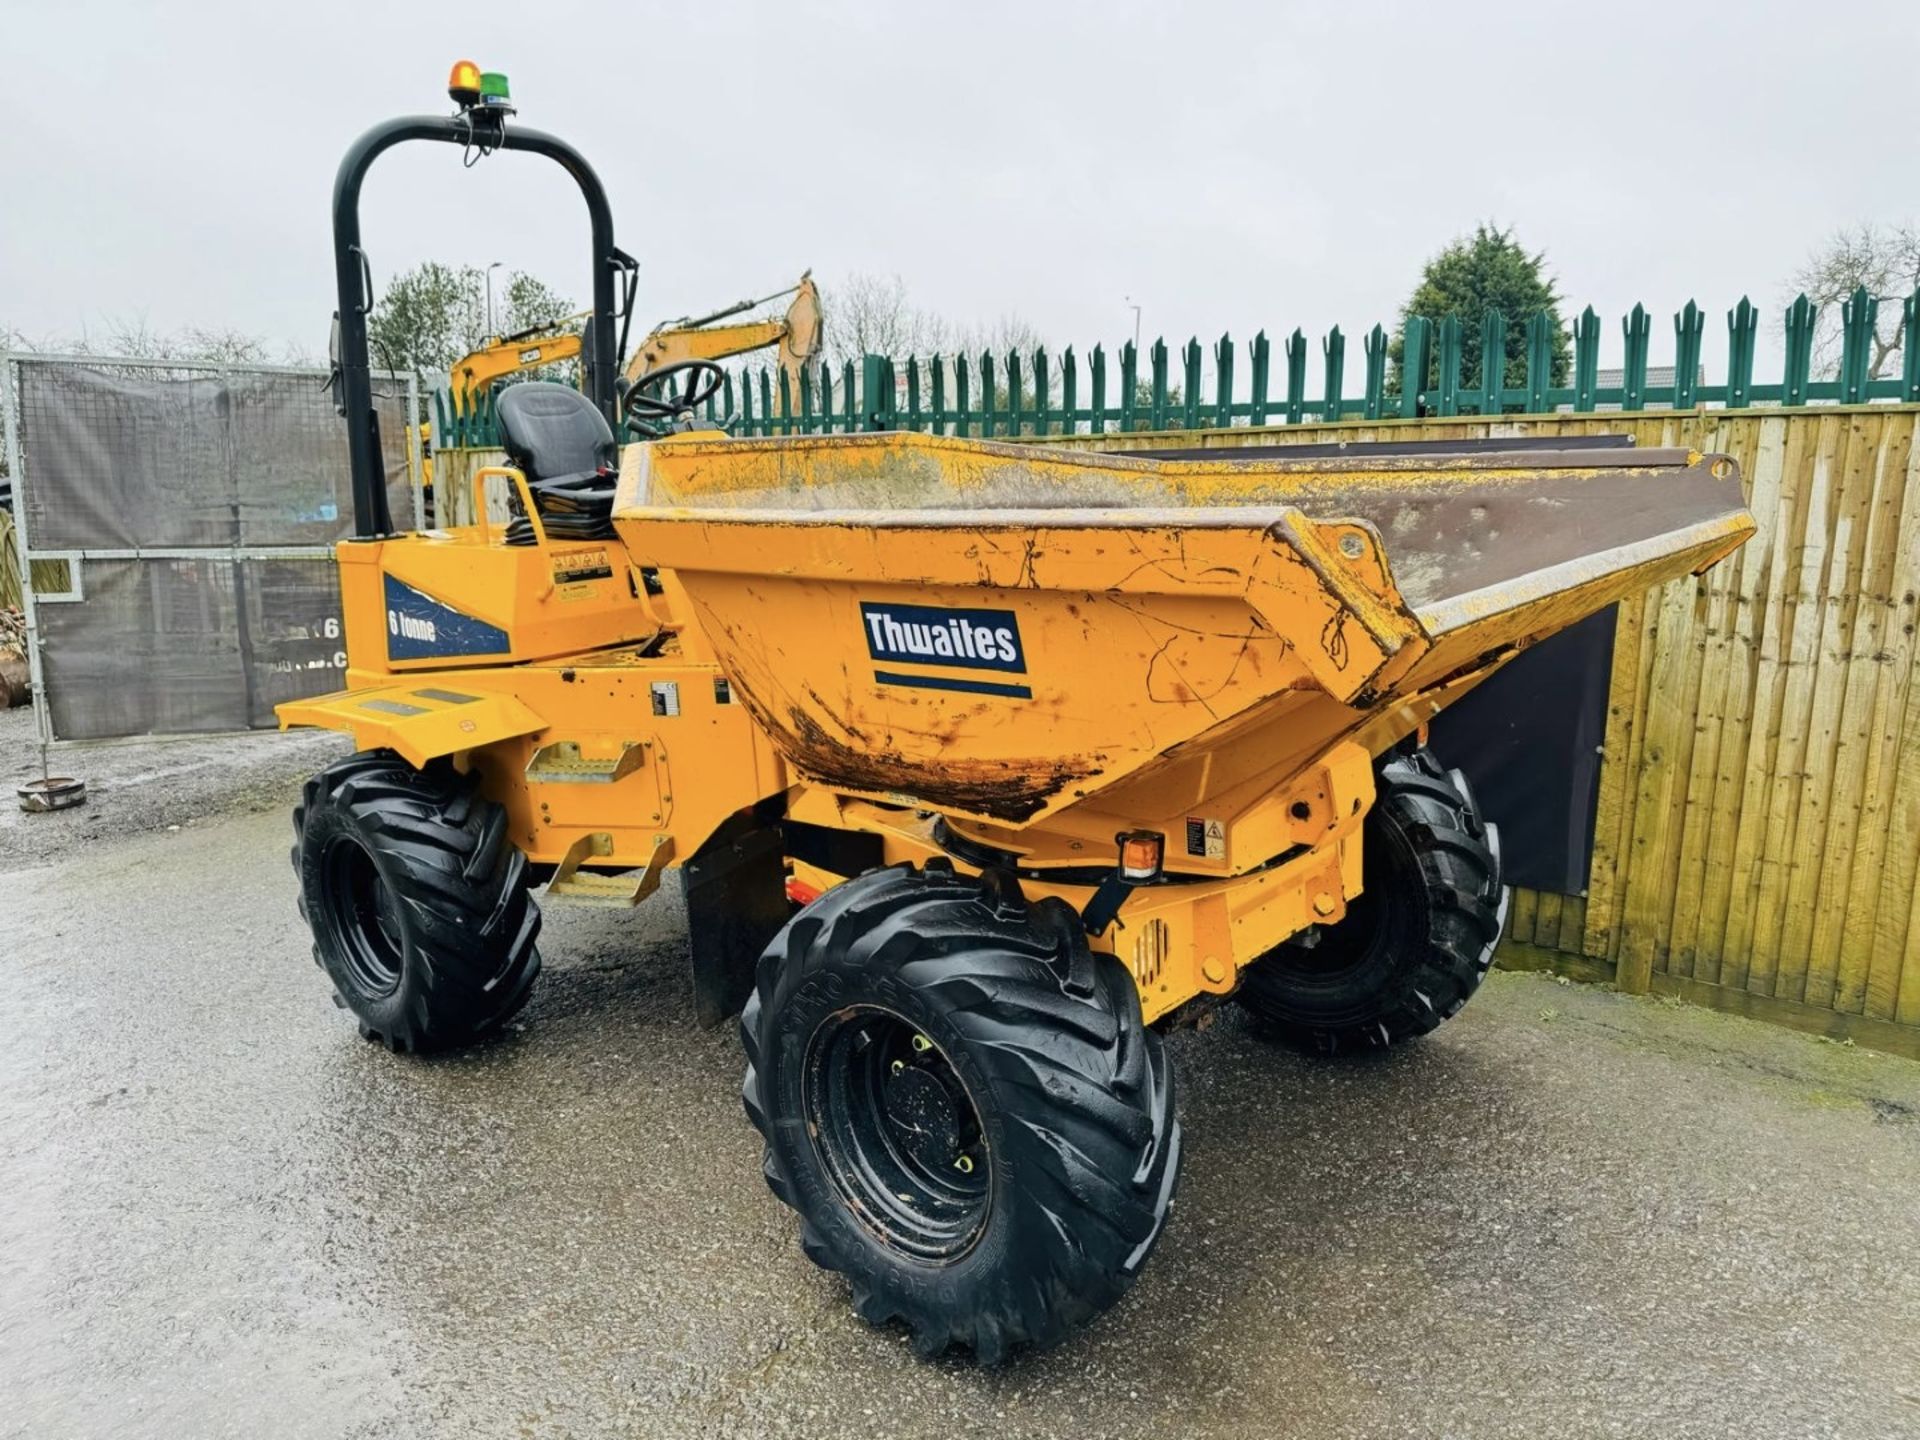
x: 1757, y: 834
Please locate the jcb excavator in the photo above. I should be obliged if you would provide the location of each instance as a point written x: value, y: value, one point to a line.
x: 797, y: 332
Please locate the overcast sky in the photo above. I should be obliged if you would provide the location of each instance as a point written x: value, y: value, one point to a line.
x: 1230, y: 166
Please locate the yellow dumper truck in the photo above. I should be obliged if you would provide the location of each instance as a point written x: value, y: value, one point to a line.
x: 977, y: 764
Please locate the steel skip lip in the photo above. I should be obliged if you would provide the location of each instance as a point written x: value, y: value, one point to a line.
x: 1458, y: 612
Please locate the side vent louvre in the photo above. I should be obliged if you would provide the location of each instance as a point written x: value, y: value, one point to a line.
x: 1150, y: 953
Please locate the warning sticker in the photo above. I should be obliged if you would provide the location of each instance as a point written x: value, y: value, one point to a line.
x: 573, y: 567
x: 1206, y: 838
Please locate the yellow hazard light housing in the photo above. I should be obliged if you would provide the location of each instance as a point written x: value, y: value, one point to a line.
x: 463, y: 83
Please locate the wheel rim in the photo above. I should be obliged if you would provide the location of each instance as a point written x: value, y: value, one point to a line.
x: 898, y: 1133
x: 362, y: 916
x: 1379, y: 922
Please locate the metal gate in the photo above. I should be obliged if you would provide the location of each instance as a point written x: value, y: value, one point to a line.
x: 175, y: 522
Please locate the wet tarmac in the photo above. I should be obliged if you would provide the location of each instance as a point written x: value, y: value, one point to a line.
x: 222, y: 1214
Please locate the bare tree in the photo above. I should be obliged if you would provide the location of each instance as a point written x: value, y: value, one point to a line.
x: 133, y: 337
x: 1885, y: 259
x: 431, y: 316
x: 1010, y: 334
x: 871, y: 315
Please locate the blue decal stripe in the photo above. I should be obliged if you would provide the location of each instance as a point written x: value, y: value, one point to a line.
x: 420, y: 627
x: 948, y: 682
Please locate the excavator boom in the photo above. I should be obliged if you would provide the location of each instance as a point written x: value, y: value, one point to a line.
x: 797, y: 333
x: 511, y: 354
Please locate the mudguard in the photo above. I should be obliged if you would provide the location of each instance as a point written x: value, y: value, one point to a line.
x: 415, y: 718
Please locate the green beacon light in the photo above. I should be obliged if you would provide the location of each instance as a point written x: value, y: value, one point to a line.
x: 494, y: 92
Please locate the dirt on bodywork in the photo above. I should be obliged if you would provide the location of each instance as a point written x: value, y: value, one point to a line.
x: 1010, y: 790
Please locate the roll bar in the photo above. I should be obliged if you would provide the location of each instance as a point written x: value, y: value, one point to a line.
x: 353, y: 277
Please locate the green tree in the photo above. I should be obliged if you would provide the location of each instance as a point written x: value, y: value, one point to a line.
x: 428, y: 317
x: 1488, y: 270
x: 434, y: 315
x: 530, y: 304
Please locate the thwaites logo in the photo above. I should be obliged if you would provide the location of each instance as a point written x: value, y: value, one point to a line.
x: 959, y: 639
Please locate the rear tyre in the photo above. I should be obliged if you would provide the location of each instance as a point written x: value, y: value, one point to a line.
x: 417, y: 901
x: 1418, y: 940
x: 962, y: 1104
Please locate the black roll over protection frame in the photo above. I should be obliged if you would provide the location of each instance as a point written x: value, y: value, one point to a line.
x: 475, y: 128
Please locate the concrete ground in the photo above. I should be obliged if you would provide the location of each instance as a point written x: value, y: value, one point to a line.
x: 222, y: 1214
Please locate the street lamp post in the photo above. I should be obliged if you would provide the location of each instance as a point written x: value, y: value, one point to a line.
x: 1136, y: 323
x: 492, y: 334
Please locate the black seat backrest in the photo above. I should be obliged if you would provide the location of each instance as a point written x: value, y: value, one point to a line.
x: 551, y: 430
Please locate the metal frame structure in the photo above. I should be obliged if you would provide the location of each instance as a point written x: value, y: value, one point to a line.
x: 473, y: 130
x: 31, y: 600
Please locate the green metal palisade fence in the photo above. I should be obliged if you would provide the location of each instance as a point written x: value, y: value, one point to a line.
x: 1030, y: 395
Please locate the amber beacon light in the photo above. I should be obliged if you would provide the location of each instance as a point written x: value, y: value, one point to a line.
x: 1141, y: 855
x: 463, y: 83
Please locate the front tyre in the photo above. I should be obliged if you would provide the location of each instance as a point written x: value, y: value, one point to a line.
x: 417, y: 901
x: 1416, y: 943
x: 962, y: 1104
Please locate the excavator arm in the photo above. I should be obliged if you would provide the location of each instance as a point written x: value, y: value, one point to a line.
x: 797, y: 333
x: 667, y: 346
x: 511, y: 354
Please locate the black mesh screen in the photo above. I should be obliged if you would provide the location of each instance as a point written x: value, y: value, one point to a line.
x: 122, y: 457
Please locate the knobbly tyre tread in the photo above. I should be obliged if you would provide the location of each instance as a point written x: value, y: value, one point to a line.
x: 442, y: 850
x: 1082, y: 1093
x: 1464, y: 911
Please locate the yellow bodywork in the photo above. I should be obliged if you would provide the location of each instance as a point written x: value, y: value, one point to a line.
x: 1211, y: 627
x: 538, y: 600
x: 625, y: 748
x: 1007, y: 655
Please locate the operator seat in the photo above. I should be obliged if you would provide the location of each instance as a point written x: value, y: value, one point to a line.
x: 559, y: 439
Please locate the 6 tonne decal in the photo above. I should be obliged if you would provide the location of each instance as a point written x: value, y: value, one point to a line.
x: 420, y: 627
x: 950, y: 638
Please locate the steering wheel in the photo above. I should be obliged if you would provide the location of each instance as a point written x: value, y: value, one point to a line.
x: 668, y: 399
